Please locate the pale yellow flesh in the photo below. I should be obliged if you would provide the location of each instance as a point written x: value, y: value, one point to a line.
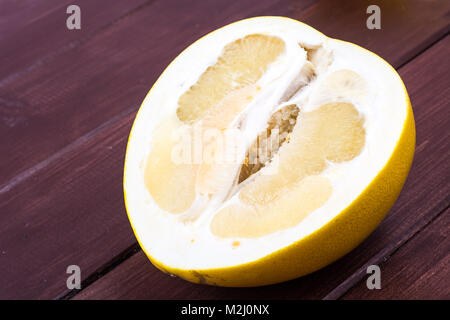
x: 164, y: 178
x: 241, y: 64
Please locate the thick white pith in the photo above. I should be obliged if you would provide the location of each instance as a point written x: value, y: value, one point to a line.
x: 193, y: 246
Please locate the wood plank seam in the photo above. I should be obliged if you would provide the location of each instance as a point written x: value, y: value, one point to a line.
x: 419, y: 52
x: 381, y: 257
x: 103, y: 270
x: 48, y: 161
x: 419, y: 270
x: 70, y: 46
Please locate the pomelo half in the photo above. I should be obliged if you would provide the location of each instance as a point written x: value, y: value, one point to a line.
x: 264, y: 152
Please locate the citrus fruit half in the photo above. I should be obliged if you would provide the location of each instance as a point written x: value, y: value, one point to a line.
x: 264, y: 152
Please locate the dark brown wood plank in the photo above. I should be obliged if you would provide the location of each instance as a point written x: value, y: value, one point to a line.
x: 90, y: 78
x: 419, y: 270
x: 424, y: 196
x: 63, y: 216
x: 34, y: 32
x: 406, y: 26
x: 15, y: 15
x: 69, y: 209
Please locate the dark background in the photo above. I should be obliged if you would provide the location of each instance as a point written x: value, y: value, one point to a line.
x: 67, y: 102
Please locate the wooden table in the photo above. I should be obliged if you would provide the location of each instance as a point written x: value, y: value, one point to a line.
x: 67, y: 102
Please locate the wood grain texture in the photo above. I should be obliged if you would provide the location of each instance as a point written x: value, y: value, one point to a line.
x: 85, y: 85
x: 65, y: 215
x: 32, y: 33
x: 420, y: 269
x: 424, y: 196
x: 15, y: 15
x: 406, y: 26
x: 71, y: 121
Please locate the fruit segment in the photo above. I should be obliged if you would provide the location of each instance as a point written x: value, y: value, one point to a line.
x: 291, y: 208
x: 170, y: 183
x: 241, y: 64
x: 222, y: 115
x: 219, y: 173
x: 341, y: 85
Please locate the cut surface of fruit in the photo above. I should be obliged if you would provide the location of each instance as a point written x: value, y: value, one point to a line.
x: 264, y: 152
x: 290, y: 207
x: 242, y: 63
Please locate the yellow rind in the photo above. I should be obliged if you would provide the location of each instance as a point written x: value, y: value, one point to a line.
x: 327, y: 244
